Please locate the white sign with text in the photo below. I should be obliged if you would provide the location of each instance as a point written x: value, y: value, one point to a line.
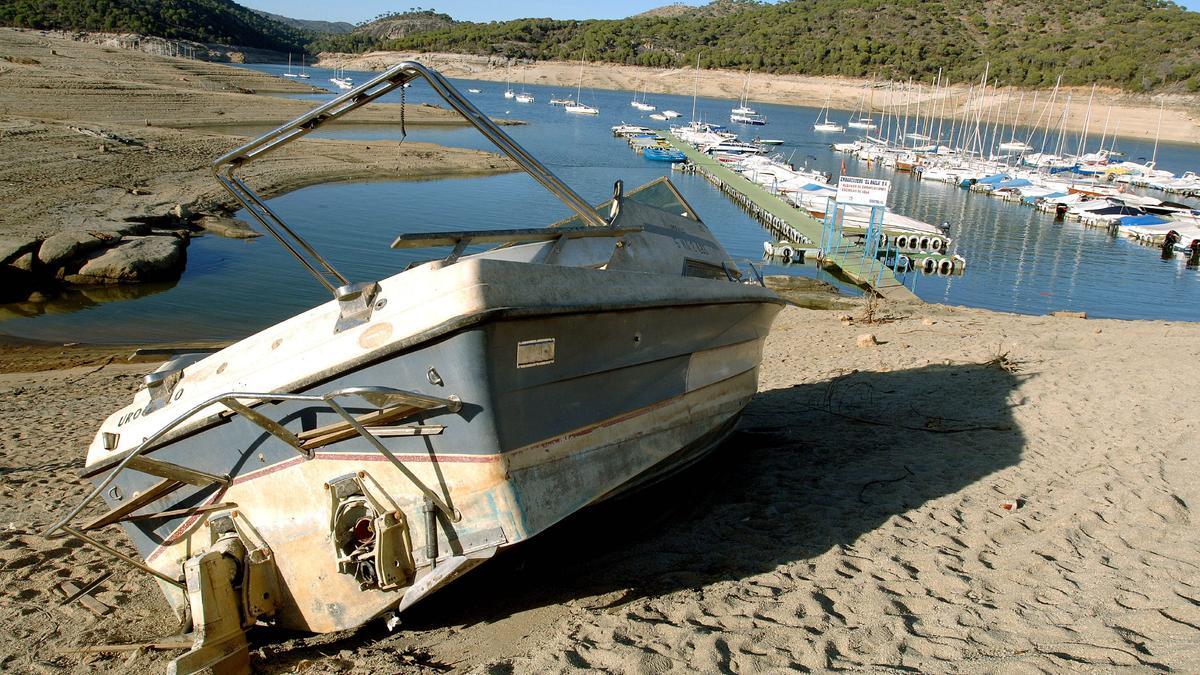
x: 862, y: 191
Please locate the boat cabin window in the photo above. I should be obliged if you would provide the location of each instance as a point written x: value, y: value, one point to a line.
x: 703, y: 270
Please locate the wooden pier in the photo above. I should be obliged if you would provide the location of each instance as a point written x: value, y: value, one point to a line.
x: 785, y: 221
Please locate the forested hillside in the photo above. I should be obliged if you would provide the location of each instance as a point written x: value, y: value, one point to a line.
x: 219, y: 21
x: 1139, y: 45
x: 1134, y: 44
x: 309, y: 25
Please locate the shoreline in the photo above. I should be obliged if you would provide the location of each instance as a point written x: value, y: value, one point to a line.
x: 1138, y: 113
x: 109, y: 152
x: 97, y: 134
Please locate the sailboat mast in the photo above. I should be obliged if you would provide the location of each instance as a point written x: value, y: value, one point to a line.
x: 977, y: 140
x: 1032, y: 129
x: 1062, y: 126
x: 1104, y: 134
x: 1049, y: 112
x: 1012, y: 134
x: 917, y: 117
x: 947, y: 92
x: 1154, y: 156
x: 695, y: 88
x: 1087, y: 118
x: 937, y: 85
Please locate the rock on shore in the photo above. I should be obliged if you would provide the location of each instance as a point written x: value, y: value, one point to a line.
x: 111, y: 253
x: 135, y: 259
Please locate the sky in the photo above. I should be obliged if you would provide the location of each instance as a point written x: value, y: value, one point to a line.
x: 355, y: 11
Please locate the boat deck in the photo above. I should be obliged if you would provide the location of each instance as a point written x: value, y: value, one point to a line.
x: 792, y: 223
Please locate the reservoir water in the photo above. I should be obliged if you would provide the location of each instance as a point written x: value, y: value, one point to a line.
x: 1019, y: 259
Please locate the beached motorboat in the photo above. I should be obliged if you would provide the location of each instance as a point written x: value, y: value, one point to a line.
x: 351, y: 460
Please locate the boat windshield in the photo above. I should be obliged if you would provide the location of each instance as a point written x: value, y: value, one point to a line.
x: 659, y: 193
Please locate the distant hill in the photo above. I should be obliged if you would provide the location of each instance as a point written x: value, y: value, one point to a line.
x: 219, y: 21
x: 377, y: 32
x: 715, y: 8
x: 334, y: 27
x: 392, y: 26
x: 1137, y: 45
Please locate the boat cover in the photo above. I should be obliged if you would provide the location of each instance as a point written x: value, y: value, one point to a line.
x: 1142, y: 220
x: 992, y: 180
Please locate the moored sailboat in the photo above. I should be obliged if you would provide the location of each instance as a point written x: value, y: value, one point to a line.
x: 743, y: 113
x: 578, y: 107
x: 827, y: 125
x: 642, y: 104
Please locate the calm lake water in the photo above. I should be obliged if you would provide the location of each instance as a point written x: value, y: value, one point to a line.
x: 1019, y: 259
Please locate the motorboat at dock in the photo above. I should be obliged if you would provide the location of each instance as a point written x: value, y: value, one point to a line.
x: 353, y: 459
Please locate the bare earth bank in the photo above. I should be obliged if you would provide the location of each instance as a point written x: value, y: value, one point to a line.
x: 93, y: 133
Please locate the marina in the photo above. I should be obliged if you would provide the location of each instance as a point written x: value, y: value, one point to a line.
x: 783, y: 220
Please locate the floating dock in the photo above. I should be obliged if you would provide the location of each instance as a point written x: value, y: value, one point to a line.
x: 788, y: 222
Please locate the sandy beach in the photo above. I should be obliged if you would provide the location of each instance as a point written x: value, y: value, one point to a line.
x: 855, y: 520
x: 93, y: 133
x: 1138, y: 114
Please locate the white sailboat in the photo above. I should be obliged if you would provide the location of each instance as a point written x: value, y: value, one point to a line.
x: 827, y: 125
x: 1013, y: 144
x: 642, y: 105
x: 524, y: 96
x: 578, y: 107
x: 744, y: 114
x: 289, y: 73
x: 340, y: 80
x: 861, y: 119
x: 303, y: 68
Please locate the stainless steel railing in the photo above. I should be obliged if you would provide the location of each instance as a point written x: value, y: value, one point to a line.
x: 397, y: 76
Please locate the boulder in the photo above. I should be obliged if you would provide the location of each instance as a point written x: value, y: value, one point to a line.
x: 63, y: 248
x: 228, y: 227
x: 134, y: 260
x: 24, y: 263
x: 12, y: 248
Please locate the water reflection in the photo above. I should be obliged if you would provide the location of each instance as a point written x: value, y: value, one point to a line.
x: 76, y: 298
